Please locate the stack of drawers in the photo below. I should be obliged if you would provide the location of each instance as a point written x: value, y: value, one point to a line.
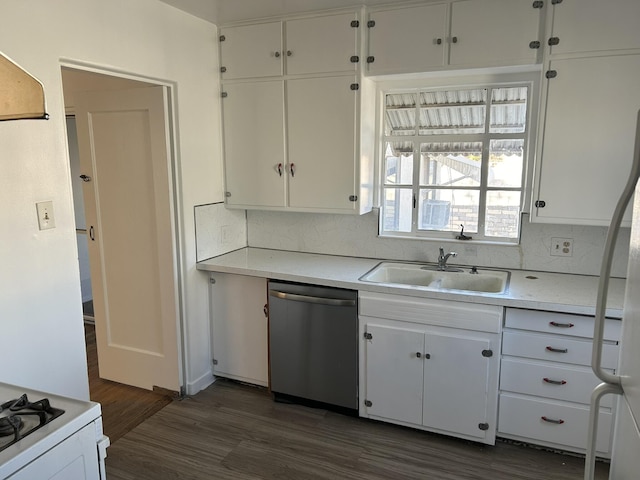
x: 546, y: 379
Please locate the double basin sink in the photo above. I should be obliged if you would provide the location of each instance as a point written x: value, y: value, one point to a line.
x: 428, y: 277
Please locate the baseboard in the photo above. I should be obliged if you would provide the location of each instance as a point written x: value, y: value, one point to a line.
x: 200, y: 383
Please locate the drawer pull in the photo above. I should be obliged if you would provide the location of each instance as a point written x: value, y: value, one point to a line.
x: 554, y: 382
x: 552, y: 420
x: 557, y: 350
x: 561, y: 325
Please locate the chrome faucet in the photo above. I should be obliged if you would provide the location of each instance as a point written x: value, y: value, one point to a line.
x: 442, y: 259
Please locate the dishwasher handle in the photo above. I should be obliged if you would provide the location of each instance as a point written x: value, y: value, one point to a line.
x: 337, y: 302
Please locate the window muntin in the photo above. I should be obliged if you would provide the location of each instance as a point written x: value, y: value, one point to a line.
x: 455, y: 157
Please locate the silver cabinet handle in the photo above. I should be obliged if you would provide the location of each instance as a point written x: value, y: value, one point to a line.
x: 556, y: 350
x: 279, y: 169
x: 292, y: 169
x: 92, y: 235
x: 558, y: 421
x: 85, y: 178
x: 554, y: 382
x: 338, y: 302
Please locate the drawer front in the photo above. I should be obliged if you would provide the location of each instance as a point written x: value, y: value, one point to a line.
x: 560, y: 382
x: 560, y: 323
x: 556, y: 348
x: 523, y: 417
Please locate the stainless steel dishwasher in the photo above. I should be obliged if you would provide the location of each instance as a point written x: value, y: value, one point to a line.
x: 313, y: 344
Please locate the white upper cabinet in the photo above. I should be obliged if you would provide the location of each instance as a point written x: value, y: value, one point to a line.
x: 322, y: 44
x: 253, y: 143
x: 588, y: 116
x: 494, y: 32
x: 594, y: 26
x: 407, y: 39
x: 466, y: 33
x: 251, y: 51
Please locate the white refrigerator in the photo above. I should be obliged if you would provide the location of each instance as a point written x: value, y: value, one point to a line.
x: 625, y: 460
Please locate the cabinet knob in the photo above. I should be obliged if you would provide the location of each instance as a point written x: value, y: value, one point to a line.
x: 277, y: 54
x: 454, y: 39
x: 289, y: 53
x: 438, y: 41
x: 418, y: 355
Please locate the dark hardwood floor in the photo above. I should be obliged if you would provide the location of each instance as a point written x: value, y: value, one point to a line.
x: 236, y: 432
x: 123, y: 407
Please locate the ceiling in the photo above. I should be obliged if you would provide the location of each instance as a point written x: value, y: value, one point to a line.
x: 227, y: 11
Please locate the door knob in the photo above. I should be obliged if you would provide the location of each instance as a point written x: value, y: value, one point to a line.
x: 85, y: 178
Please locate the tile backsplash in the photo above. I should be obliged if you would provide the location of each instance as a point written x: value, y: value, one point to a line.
x: 218, y: 230
x: 353, y: 235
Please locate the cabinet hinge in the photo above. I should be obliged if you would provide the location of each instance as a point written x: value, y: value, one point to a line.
x: 487, y: 353
x: 371, y: 23
x: 227, y: 194
x: 222, y: 38
x: 355, y: 23
x: 551, y: 74
x: 355, y: 86
x: 214, y: 361
x: 535, y: 44
x: 540, y: 204
x: 368, y: 336
x: 553, y: 41
x: 483, y: 426
x: 212, y: 280
x: 555, y: 2
x: 353, y: 198
x: 538, y: 4
x: 355, y: 59
x: 223, y: 69
x: 368, y: 403
x: 371, y: 59
x: 224, y: 94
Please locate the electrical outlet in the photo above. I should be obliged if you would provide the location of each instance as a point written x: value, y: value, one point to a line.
x: 46, y: 220
x: 562, y: 247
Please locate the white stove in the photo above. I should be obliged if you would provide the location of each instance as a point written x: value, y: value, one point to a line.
x: 45, y: 436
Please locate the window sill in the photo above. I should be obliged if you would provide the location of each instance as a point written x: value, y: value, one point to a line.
x: 513, y: 243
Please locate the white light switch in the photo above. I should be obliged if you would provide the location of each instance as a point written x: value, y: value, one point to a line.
x: 46, y: 219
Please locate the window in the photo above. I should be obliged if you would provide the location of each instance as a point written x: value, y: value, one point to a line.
x: 454, y: 157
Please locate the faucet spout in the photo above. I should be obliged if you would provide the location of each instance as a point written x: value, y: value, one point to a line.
x: 442, y: 259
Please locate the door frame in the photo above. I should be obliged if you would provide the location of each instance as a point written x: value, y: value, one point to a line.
x: 175, y: 212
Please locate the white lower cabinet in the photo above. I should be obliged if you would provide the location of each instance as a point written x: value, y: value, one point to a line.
x: 418, y: 373
x: 239, y: 327
x: 546, y: 380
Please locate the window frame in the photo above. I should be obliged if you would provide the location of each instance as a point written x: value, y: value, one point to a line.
x: 438, y: 81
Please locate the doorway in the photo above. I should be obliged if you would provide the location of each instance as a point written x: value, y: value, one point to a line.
x: 123, y: 200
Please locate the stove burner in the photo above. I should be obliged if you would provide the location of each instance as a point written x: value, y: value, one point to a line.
x: 10, y: 425
x: 23, y: 418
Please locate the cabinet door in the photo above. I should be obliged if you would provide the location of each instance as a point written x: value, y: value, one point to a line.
x: 239, y: 327
x: 587, y: 145
x: 456, y: 377
x: 251, y: 51
x: 407, y: 39
x: 394, y: 373
x: 321, y: 44
x: 594, y: 25
x: 322, y: 143
x: 254, y: 144
x: 493, y: 32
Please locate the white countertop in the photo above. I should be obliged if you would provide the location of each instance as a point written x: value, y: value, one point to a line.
x: 547, y: 291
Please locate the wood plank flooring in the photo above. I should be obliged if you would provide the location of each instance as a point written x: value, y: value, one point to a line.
x: 123, y: 407
x: 236, y: 432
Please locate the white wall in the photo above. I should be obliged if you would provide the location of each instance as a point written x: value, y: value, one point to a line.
x: 358, y: 236
x: 40, y: 303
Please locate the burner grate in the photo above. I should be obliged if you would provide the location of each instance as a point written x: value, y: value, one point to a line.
x: 24, y: 417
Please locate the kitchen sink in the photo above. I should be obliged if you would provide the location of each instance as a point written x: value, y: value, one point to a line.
x: 428, y: 277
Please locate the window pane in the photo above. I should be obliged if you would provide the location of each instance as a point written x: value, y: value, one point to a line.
x: 397, y: 209
x: 446, y: 210
x: 400, y: 114
x: 451, y: 164
x: 508, y: 110
x: 503, y: 214
x: 505, y: 163
x: 452, y: 112
x: 398, y: 163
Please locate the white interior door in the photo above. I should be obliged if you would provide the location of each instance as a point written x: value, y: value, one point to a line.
x: 123, y: 145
